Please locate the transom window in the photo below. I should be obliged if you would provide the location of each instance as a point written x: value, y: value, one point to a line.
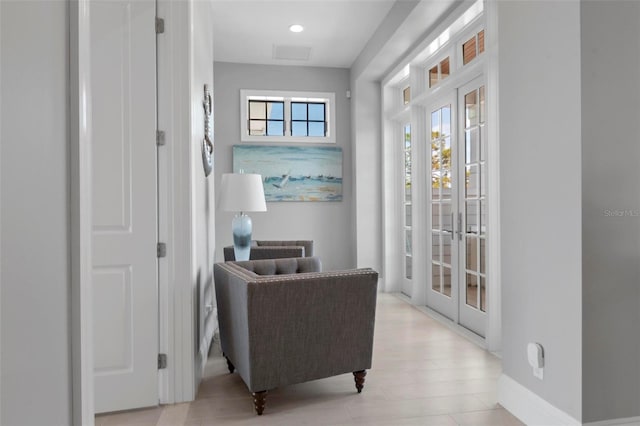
x: 439, y: 72
x: 472, y: 47
x: 272, y: 116
x: 308, y: 119
x: 266, y: 118
x: 406, y: 95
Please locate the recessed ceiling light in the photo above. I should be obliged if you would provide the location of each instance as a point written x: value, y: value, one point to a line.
x: 296, y: 28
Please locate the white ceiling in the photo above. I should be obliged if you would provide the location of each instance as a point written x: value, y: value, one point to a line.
x: 246, y: 31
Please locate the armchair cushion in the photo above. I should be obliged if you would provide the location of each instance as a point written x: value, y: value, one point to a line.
x: 282, y: 266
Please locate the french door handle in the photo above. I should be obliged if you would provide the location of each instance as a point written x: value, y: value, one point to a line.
x: 459, y: 226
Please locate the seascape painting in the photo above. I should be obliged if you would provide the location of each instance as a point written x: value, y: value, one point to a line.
x: 293, y: 173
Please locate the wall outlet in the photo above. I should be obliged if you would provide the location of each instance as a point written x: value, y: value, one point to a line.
x: 535, y: 355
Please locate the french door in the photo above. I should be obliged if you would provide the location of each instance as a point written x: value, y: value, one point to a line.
x: 458, y: 206
x: 407, y: 204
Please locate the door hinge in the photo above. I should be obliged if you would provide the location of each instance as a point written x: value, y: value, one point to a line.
x: 161, y: 250
x: 160, y: 140
x: 162, y: 361
x: 159, y: 26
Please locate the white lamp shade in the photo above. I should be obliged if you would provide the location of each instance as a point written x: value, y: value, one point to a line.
x: 242, y: 192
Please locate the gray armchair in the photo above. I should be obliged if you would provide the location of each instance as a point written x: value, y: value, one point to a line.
x: 282, y: 322
x: 266, y: 249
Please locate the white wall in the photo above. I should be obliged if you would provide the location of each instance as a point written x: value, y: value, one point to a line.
x: 540, y: 192
x: 35, y: 273
x: 329, y: 224
x: 202, y: 187
x: 367, y: 165
x: 610, y: 33
x: 404, y: 27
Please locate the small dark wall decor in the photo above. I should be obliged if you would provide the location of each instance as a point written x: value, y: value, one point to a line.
x: 207, y: 144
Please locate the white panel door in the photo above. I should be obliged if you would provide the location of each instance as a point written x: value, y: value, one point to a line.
x: 125, y: 305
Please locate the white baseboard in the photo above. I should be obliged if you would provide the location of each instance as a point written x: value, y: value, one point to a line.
x: 529, y: 407
x: 631, y: 421
x: 211, y: 325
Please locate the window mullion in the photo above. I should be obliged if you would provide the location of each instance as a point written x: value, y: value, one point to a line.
x: 287, y: 117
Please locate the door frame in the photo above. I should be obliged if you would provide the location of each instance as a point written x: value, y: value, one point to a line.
x: 176, y: 324
x: 490, y: 69
x: 81, y: 213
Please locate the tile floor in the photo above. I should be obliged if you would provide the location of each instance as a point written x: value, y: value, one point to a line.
x: 423, y: 374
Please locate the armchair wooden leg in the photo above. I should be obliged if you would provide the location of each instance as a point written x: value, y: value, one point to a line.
x: 358, y: 376
x: 259, y: 401
x: 230, y: 366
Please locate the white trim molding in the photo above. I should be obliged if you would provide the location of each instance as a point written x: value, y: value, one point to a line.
x: 80, y: 201
x: 494, y: 300
x: 529, y: 407
x: 176, y: 298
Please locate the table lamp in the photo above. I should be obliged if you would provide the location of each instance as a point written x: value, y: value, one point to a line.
x: 242, y: 193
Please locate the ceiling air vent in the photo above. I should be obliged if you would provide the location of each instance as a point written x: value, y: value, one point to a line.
x: 293, y: 53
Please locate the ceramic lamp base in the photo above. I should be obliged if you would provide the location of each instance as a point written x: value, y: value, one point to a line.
x: 242, y: 227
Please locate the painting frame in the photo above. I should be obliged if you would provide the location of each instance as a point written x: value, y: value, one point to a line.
x: 293, y: 172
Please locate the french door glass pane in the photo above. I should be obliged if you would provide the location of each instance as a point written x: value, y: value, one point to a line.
x: 435, y: 247
x: 435, y: 216
x: 483, y: 180
x: 446, y: 249
x: 447, y: 224
x: 471, y: 109
x: 446, y: 184
x: 435, y: 125
x: 471, y: 216
x: 436, y: 279
x: 446, y: 122
x: 483, y: 109
x: 446, y: 281
x: 472, y: 290
x: 409, y: 267
x: 483, y: 294
x: 483, y: 217
x: 472, y: 184
x: 446, y: 151
x: 483, y: 252
x: 471, y: 263
x: 472, y: 146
